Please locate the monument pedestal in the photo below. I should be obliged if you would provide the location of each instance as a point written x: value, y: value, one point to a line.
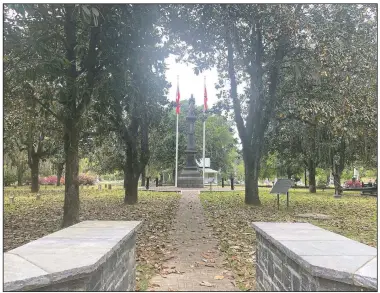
x: 190, y: 178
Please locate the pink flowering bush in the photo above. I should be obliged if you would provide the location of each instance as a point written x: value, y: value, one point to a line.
x: 84, y: 179
x: 50, y: 180
x: 351, y: 184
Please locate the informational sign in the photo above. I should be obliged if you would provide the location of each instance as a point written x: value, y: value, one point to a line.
x: 282, y: 187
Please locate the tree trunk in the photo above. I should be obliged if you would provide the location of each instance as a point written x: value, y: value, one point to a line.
x: 72, y: 119
x: 251, y: 184
x: 305, y: 178
x: 312, y: 184
x: 71, y: 205
x: 161, y: 179
x: 20, y: 173
x: 59, y: 173
x: 289, y: 173
x: 125, y: 180
x: 34, y: 168
x: 131, y: 188
x: 222, y: 182
x: 338, y: 187
x: 147, y: 183
x: 143, y: 179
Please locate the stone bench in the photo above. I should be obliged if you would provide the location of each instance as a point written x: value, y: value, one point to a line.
x: 303, y: 257
x: 88, y: 256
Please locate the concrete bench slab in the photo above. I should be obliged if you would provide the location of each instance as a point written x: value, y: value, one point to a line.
x: 323, y: 256
x: 75, y: 253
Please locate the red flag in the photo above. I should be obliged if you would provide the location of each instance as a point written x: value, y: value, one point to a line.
x: 178, y: 96
x: 205, y: 98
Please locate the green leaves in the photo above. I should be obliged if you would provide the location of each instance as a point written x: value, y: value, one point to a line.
x: 95, y: 11
x: 86, y: 10
x: 90, y: 13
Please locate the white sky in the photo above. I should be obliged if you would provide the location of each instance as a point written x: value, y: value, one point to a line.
x: 189, y: 83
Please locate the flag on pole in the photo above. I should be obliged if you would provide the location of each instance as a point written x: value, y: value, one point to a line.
x: 204, y: 128
x: 176, y: 136
x: 205, y: 97
x: 178, y: 96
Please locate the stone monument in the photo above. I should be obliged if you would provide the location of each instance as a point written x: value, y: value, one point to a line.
x: 190, y: 176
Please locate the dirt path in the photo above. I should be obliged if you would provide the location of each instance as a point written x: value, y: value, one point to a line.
x: 197, y: 263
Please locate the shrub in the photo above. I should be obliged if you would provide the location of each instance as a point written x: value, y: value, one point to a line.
x: 351, y: 184
x: 108, y: 177
x: 113, y: 177
x: 50, y: 180
x: 86, y: 179
x: 10, y: 177
x: 42, y: 180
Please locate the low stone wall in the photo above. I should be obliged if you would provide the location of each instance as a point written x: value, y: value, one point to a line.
x: 303, y: 257
x: 89, y: 256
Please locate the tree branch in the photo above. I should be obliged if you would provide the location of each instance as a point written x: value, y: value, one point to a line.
x: 231, y: 73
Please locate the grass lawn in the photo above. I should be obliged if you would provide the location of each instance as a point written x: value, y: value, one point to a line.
x: 29, y: 219
x: 353, y: 216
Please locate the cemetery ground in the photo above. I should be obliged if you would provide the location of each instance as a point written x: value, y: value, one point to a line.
x: 352, y: 216
x: 229, y: 218
x: 29, y: 219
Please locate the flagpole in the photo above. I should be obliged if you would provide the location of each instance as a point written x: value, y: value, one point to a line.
x: 176, y: 142
x: 204, y: 136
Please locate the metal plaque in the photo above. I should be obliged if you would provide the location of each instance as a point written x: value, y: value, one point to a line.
x: 282, y: 186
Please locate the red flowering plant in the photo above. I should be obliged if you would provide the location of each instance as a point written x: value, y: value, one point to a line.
x: 352, y: 184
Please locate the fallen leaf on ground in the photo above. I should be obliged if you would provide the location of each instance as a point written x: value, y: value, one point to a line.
x: 207, y: 284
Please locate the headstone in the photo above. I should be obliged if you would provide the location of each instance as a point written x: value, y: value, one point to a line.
x: 99, y: 187
x: 38, y: 196
x: 12, y: 199
x: 109, y: 186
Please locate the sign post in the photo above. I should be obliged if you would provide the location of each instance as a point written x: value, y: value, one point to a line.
x: 282, y: 187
